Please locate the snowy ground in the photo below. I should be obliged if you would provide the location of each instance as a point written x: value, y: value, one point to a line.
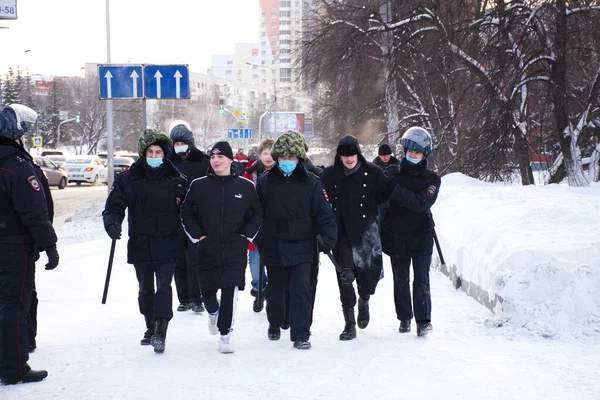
x: 92, y: 350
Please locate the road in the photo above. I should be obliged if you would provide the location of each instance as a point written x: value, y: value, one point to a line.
x: 73, y: 198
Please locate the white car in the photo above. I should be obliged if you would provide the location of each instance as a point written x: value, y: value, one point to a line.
x: 90, y: 169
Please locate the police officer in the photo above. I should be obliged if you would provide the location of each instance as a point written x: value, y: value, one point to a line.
x: 153, y: 190
x: 25, y: 229
x: 193, y: 164
x: 407, y: 230
x: 355, y: 188
x: 296, y: 214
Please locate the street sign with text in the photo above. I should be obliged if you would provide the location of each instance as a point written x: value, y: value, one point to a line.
x: 8, y: 9
x: 120, y: 81
x: 239, y: 133
x: 166, y: 82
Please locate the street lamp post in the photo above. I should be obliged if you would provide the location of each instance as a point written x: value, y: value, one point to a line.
x: 274, y: 108
x: 58, y: 129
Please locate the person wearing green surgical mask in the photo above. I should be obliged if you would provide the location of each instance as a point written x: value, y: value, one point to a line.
x: 152, y: 191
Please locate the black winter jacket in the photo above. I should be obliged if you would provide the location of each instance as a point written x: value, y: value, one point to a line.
x: 407, y: 229
x: 153, y: 198
x: 26, y: 207
x: 226, y: 210
x: 194, y: 165
x: 295, y: 210
x: 387, y: 167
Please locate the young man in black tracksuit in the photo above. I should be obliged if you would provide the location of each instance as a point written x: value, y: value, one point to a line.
x: 355, y: 188
x: 193, y: 164
x: 152, y: 190
x: 25, y: 230
x: 221, y: 213
x: 296, y: 215
x: 407, y: 231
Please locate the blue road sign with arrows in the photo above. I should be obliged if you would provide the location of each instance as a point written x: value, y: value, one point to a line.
x: 166, y: 82
x: 120, y: 81
x: 239, y: 133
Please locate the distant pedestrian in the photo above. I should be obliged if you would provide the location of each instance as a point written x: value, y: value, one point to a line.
x: 385, y: 160
x: 407, y: 231
x: 240, y: 162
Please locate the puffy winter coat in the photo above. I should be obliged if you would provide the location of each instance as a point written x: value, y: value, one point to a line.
x: 153, y: 198
x: 26, y: 207
x: 295, y: 210
x: 407, y: 229
x: 226, y: 210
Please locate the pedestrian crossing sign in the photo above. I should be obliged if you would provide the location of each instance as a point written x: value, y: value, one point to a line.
x: 38, y: 141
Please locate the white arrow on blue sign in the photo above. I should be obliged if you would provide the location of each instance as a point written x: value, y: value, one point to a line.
x: 239, y: 133
x: 120, y: 81
x: 166, y: 82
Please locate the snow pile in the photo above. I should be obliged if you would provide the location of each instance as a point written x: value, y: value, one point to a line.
x: 538, y: 248
x: 82, y: 226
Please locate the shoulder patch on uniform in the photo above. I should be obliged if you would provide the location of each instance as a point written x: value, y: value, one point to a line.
x: 33, y: 182
x: 325, y: 195
x: 431, y: 190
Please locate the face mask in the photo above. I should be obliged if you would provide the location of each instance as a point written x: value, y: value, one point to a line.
x: 287, y: 167
x: 181, y: 150
x: 154, y: 162
x: 413, y: 160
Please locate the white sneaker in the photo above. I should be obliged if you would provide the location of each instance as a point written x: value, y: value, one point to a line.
x: 212, y: 323
x: 225, y: 346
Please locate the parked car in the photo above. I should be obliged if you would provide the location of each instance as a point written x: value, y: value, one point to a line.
x: 59, y: 160
x: 90, y: 169
x: 122, y: 164
x: 54, y: 152
x: 57, y: 176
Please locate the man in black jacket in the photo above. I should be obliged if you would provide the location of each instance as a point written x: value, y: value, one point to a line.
x: 193, y: 164
x: 153, y: 190
x: 407, y: 230
x: 25, y: 229
x: 221, y: 213
x: 296, y: 213
x: 355, y: 188
x: 385, y: 160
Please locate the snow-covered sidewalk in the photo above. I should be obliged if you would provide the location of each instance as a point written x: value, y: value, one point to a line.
x: 92, y: 351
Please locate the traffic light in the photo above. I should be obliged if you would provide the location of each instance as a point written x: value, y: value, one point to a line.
x: 77, y: 118
x: 221, y: 111
x: 221, y: 106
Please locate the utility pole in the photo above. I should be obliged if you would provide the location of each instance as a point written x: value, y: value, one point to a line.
x: 109, y: 110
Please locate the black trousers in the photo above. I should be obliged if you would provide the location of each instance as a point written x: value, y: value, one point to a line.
x: 421, y: 294
x: 187, y: 281
x: 155, y: 304
x: 32, y: 316
x: 298, y: 279
x: 343, y: 255
x: 17, y: 265
x: 226, y: 308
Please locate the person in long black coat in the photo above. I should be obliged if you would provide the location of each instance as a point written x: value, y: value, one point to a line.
x: 355, y: 188
x: 25, y: 230
x: 193, y: 164
x: 152, y: 190
x: 221, y: 213
x: 296, y: 216
x: 407, y: 230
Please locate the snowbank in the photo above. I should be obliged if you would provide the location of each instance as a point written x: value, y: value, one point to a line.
x: 531, y: 253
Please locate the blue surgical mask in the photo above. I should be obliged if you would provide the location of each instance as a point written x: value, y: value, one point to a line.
x: 413, y: 160
x: 287, y: 167
x: 154, y: 162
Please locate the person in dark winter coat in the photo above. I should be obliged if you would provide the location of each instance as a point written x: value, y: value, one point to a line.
x: 193, y: 164
x: 355, y: 188
x: 385, y: 160
x: 407, y: 231
x: 152, y: 190
x: 221, y: 213
x: 25, y: 230
x: 296, y: 215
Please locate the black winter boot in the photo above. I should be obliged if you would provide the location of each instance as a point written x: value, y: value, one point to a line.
x: 160, y: 334
x: 404, y: 326
x: 31, y: 376
x: 149, y: 331
x: 274, y: 333
x: 423, y: 328
x: 349, y: 332
x: 363, y: 313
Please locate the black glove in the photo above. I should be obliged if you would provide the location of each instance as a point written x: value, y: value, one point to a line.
x: 53, y: 257
x: 323, y: 247
x: 114, y: 231
x: 347, y: 276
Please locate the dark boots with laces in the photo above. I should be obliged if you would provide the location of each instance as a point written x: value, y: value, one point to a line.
x: 149, y: 331
x: 363, y: 312
x: 349, y: 331
x: 160, y: 334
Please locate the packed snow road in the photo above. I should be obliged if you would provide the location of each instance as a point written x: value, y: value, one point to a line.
x: 92, y: 351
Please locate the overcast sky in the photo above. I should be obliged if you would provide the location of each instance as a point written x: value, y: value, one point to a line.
x: 62, y: 35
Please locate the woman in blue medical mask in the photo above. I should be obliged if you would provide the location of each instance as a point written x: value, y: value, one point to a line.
x: 152, y: 189
x: 407, y: 230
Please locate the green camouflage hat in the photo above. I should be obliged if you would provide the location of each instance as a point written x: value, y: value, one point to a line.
x: 292, y: 144
x: 154, y: 137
